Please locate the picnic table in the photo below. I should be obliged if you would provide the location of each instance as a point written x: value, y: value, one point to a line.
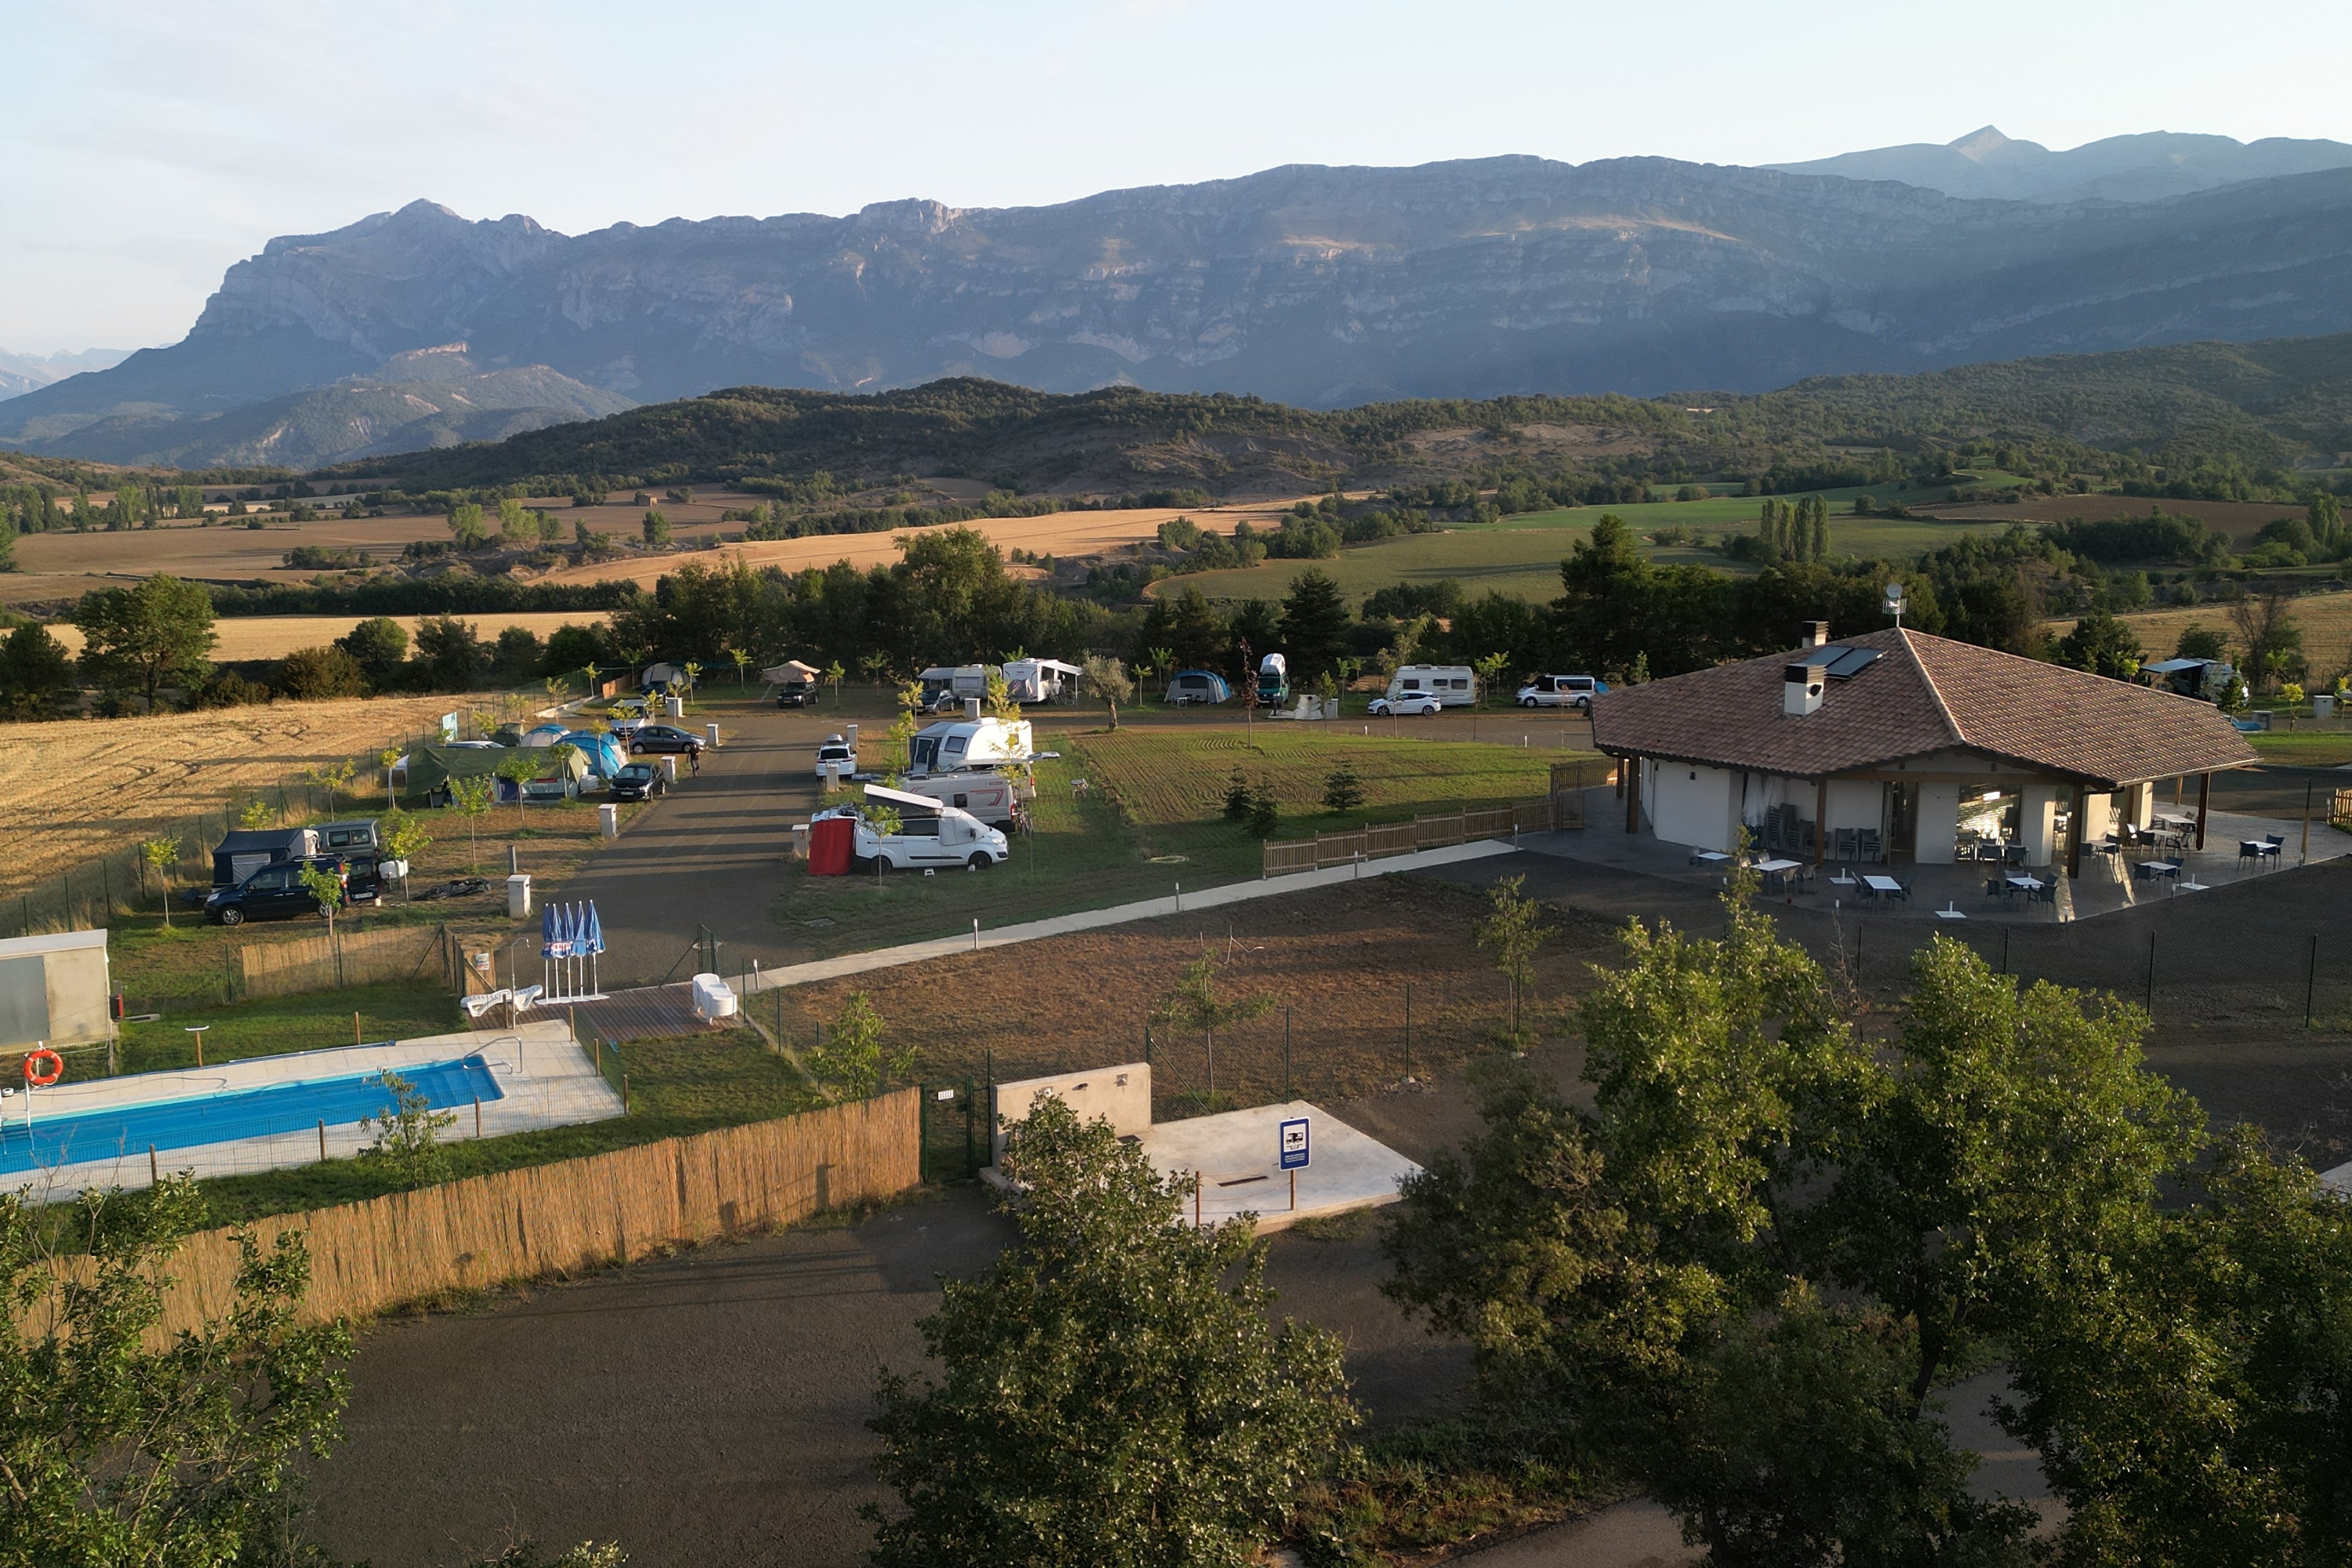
x: 1777, y: 871
x: 1707, y: 856
x: 2028, y: 884
x: 2153, y: 869
x: 1884, y: 886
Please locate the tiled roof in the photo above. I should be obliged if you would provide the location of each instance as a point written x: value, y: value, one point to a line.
x: 1926, y: 694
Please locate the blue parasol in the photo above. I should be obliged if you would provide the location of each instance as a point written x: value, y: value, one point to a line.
x: 595, y: 932
x: 547, y: 935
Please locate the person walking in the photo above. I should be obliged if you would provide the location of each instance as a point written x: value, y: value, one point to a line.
x: 694, y: 759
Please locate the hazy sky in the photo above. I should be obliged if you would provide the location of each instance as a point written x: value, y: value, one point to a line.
x: 146, y: 145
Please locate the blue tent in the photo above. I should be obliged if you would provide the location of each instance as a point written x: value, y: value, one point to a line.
x: 1206, y: 686
x: 604, y: 755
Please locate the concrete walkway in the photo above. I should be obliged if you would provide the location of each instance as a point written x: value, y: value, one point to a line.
x: 1118, y: 914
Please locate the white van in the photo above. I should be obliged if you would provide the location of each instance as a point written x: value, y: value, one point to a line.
x: 1455, y: 685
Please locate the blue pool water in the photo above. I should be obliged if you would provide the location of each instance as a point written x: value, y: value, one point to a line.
x: 228, y: 1116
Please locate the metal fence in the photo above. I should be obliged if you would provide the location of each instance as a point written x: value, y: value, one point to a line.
x: 1376, y: 840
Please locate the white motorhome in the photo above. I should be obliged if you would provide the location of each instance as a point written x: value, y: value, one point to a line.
x: 1273, y: 680
x: 963, y: 744
x: 930, y: 836
x: 945, y: 685
x: 1041, y: 681
x: 994, y: 798
x: 1455, y: 685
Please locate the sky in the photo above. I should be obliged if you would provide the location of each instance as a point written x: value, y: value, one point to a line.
x: 145, y: 145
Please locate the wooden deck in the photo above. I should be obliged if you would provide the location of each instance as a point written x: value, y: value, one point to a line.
x: 646, y: 1013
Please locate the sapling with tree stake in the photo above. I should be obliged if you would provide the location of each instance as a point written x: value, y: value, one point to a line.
x: 161, y: 853
x: 1512, y: 934
x: 408, y: 1135
x: 1194, y: 1004
x: 471, y: 798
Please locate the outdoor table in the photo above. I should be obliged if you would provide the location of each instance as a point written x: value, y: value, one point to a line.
x: 1707, y: 856
x: 1884, y: 887
x: 2029, y: 884
x: 1777, y: 871
x: 2156, y: 868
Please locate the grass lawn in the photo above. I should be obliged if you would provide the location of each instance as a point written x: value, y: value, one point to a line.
x: 1150, y: 819
x: 2305, y: 747
x: 1520, y: 554
x: 273, y: 1025
x: 676, y: 1087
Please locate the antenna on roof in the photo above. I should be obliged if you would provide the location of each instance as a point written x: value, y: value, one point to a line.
x: 1894, y: 602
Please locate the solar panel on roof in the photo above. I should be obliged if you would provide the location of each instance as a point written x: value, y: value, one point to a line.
x: 1851, y: 662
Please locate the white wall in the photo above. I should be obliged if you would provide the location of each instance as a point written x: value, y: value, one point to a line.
x: 1857, y: 803
x: 2099, y: 813
x: 2036, y: 824
x: 1697, y: 807
x: 1939, y: 824
x: 1119, y: 1095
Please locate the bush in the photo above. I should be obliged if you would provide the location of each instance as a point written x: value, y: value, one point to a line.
x: 227, y: 688
x: 314, y: 673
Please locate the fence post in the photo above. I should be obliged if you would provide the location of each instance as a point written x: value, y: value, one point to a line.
x: 1408, y: 1028
x: 1286, y: 1052
x: 2150, y: 999
x: 2311, y: 982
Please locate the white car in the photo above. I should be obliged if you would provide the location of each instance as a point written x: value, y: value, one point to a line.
x: 1408, y: 705
x: 835, y: 756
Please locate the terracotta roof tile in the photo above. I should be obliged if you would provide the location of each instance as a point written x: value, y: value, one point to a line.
x: 1926, y: 694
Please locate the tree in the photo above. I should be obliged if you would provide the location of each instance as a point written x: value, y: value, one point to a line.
x: 449, y: 655
x: 1314, y: 624
x: 36, y: 678
x: 2267, y: 629
x: 126, y: 1445
x: 1237, y: 795
x: 469, y: 798
x: 162, y: 855
x: 326, y: 889
x: 1193, y: 1003
x: 742, y: 661
x: 520, y: 767
x: 999, y: 702
x: 1490, y: 671
x: 1513, y: 934
x: 1343, y: 792
x: 407, y: 1143
x: 852, y: 1062
x: 2198, y: 642
x: 1113, y: 1389
x: 313, y: 674
x: 466, y: 527
x: 143, y: 638
x: 404, y: 840
x: 1264, y: 809
x: 832, y: 676
x: 380, y: 643
x: 2102, y: 645
x: 656, y: 529
x: 1108, y: 679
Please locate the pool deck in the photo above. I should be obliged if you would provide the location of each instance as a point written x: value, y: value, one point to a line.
x: 545, y: 1079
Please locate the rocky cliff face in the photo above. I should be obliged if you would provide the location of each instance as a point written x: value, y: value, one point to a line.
x: 1320, y: 286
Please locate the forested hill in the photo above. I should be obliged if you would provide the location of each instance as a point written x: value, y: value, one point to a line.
x: 2251, y: 408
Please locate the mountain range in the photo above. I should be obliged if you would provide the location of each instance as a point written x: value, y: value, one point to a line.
x: 1312, y: 285
x: 21, y: 374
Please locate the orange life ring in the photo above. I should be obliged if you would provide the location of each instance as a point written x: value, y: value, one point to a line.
x: 56, y: 1068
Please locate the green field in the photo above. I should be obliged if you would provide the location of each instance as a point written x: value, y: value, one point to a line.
x: 1150, y: 819
x: 1520, y: 554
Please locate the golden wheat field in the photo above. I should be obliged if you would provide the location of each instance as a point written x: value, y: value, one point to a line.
x: 2325, y: 619
x: 275, y: 636
x: 78, y: 788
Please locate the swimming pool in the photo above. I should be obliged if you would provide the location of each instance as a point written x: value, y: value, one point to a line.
x: 228, y: 1116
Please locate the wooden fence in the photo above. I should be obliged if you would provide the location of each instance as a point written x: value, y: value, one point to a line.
x: 358, y: 958
x: 551, y: 1220
x: 1380, y: 839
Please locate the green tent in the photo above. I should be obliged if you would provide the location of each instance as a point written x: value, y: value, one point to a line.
x: 429, y: 770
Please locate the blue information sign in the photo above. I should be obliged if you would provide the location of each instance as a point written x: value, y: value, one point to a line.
x: 1294, y: 1144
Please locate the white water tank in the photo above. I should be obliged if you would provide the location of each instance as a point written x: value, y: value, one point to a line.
x: 713, y: 997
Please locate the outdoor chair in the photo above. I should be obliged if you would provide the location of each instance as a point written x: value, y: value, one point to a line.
x: 1866, y: 843
x: 2248, y: 849
x: 2042, y: 895
x: 1999, y: 888
x: 1844, y: 844
x: 1905, y: 894
x: 2273, y: 846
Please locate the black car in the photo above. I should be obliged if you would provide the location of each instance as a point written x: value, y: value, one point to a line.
x: 639, y: 780
x: 647, y: 738
x: 277, y: 893
x: 795, y: 694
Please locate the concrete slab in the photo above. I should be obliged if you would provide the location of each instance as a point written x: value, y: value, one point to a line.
x: 544, y: 1080
x: 1235, y: 1155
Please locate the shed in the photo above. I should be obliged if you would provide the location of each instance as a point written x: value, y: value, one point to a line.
x: 54, y: 989
x: 242, y: 853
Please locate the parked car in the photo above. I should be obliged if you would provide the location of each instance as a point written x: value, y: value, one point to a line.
x: 1575, y: 691
x: 795, y: 694
x: 276, y: 892
x: 1408, y: 704
x: 639, y: 780
x: 836, y: 755
x: 663, y: 738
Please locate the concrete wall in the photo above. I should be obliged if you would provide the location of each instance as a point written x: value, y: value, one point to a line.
x: 2036, y: 824
x: 1697, y: 807
x: 1939, y: 824
x: 2099, y: 813
x: 1119, y: 1095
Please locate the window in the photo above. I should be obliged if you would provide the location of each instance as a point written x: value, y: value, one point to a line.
x: 1412, y: 684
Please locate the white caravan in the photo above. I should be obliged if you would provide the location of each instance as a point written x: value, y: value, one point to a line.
x: 961, y: 745
x: 1455, y: 685
x: 930, y: 836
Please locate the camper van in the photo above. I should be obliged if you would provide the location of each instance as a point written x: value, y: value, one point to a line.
x: 1273, y: 680
x: 930, y: 836
x: 1041, y: 681
x: 1455, y: 685
x: 1575, y: 691
x: 967, y: 744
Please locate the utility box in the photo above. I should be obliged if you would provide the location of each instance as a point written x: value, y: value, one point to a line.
x: 674, y: 707
x: 800, y: 840
x: 608, y: 820
x: 519, y: 895
x: 710, y: 736
x: 669, y: 767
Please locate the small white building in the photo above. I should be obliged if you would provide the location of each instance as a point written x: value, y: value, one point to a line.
x: 53, y: 990
x: 1901, y: 746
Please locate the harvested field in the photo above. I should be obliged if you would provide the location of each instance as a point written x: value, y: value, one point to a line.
x: 78, y: 788
x: 1336, y: 963
x: 1060, y: 533
x: 52, y: 566
x: 2325, y: 618
x: 274, y: 637
x: 2240, y: 520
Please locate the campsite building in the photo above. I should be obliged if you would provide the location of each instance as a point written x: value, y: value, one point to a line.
x: 1900, y: 746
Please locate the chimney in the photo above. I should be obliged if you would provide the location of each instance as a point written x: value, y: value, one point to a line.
x: 1802, y: 688
x: 1817, y: 634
